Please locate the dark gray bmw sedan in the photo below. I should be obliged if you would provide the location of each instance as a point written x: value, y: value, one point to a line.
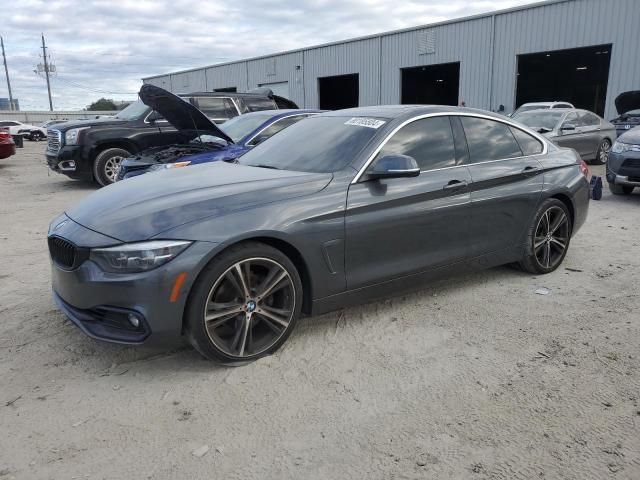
x: 338, y: 209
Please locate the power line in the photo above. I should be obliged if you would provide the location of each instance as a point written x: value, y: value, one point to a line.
x: 91, y: 89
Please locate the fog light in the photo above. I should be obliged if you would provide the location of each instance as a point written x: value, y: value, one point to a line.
x: 134, y: 321
x: 67, y: 165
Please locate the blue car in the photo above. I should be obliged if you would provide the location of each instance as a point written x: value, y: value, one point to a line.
x: 236, y: 137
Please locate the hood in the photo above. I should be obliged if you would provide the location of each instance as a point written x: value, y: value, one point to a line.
x: 632, y: 137
x: 63, y: 127
x: 145, y: 206
x: 281, y: 102
x: 178, y: 112
x: 628, y: 101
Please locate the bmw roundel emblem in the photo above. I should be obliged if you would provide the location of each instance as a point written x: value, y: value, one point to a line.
x: 627, y: 127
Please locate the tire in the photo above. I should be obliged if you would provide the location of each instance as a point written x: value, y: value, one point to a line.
x: 620, y: 189
x: 36, y: 136
x: 603, y: 152
x: 244, y: 327
x: 105, y: 165
x: 541, y: 244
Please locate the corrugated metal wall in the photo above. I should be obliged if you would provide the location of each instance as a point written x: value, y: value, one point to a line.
x: 487, y: 48
x: 361, y: 57
x: 466, y: 42
x: 280, y: 68
x: 578, y: 23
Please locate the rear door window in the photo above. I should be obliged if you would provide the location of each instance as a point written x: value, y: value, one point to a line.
x: 429, y: 141
x: 259, y: 103
x: 216, y: 108
x: 489, y: 140
x: 528, y: 144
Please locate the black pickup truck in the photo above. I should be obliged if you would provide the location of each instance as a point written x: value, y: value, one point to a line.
x: 93, y: 149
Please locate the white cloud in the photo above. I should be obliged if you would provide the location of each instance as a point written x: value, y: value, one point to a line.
x: 103, y: 48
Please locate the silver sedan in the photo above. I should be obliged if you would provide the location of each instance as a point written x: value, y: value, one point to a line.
x: 587, y: 133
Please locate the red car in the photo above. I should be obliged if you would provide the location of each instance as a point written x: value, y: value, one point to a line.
x: 7, y: 147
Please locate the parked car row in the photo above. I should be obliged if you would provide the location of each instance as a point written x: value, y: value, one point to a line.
x: 93, y: 150
x: 616, y: 143
x: 587, y: 133
x: 337, y: 208
x: 31, y: 132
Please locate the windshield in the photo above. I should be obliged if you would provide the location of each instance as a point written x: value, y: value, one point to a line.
x: 135, y: 111
x: 537, y: 120
x: 239, y: 127
x: 319, y: 144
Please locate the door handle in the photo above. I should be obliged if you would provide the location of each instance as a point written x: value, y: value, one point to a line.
x: 528, y: 171
x: 455, y: 185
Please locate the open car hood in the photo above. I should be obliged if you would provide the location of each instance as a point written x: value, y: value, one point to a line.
x: 178, y: 112
x: 281, y: 102
x: 628, y: 101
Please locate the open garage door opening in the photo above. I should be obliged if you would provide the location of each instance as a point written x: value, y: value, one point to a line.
x: 338, y: 92
x: 578, y: 76
x: 431, y: 84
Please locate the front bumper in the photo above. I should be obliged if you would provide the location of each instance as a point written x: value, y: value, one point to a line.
x: 624, y: 168
x: 70, y: 162
x: 99, y: 302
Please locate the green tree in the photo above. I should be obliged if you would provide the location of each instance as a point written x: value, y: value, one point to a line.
x: 103, y: 105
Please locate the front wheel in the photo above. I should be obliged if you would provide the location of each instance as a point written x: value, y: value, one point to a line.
x: 620, y: 189
x: 548, y: 238
x: 244, y: 304
x: 107, y: 165
x: 602, y: 155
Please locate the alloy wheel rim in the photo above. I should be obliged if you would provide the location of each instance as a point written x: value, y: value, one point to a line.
x: 604, y: 151
x: 551, y: 238
x: 111, y: 167
x: 249, y: 307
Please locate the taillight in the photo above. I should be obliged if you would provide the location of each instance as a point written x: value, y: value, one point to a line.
x: 584, y: 169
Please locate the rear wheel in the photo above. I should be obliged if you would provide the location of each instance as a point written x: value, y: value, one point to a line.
x: 36, y: 136
x: 548, y: 238
x: 244, y: 305
x: 602, y: 155
x: 620, y: 189
x: 107, y: 165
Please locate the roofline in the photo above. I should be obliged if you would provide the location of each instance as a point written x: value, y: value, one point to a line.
x: 477, y: 16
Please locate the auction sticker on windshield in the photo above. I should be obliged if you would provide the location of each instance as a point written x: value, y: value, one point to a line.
x: 365, y: 122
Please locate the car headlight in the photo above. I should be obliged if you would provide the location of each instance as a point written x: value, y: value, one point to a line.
x: 166, y: 166
x: 71, y: 136
x: 137, y: 257
x: 619, y: 147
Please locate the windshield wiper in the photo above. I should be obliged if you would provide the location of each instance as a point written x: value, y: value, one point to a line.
x: 262, y: 165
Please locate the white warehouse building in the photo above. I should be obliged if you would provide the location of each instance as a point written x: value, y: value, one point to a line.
x: 582, y: 51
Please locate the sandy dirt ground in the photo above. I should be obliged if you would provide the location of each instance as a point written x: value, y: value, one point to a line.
x: 473, y: 377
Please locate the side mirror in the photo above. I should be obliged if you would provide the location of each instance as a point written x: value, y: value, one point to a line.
x: 567, y: 127
x: 394, y: 166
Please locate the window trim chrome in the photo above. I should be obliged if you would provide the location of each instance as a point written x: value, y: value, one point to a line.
x: 545, y: 146
x: 248, y: 142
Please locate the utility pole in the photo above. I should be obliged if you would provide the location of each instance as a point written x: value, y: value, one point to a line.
x: 6, y: 71
x: 46, y: 71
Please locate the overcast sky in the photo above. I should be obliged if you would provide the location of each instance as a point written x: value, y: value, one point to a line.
x: 102, y: 48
